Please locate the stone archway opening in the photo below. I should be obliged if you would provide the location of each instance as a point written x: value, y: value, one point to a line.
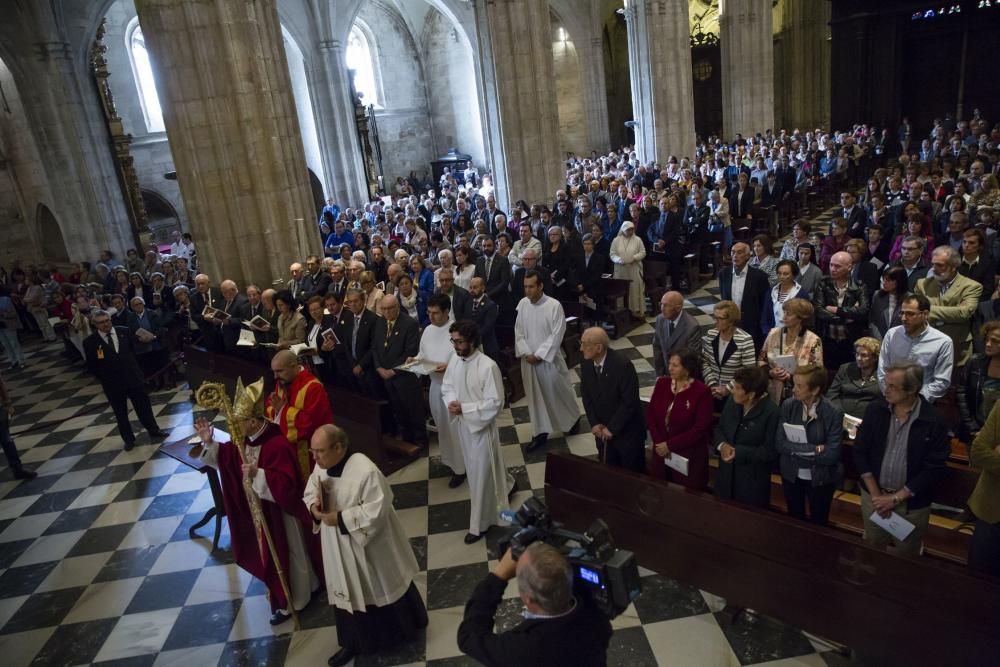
x: 161, y: 218
x: 53, y: 245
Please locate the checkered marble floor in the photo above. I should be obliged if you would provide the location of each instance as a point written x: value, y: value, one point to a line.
x: 96, y: 565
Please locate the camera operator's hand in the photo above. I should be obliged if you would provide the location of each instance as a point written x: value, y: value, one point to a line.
x: 507, y: 567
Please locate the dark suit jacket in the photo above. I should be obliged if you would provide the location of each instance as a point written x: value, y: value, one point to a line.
x: 117, y: 371
x: 315, y: 285
x: 613, y: 399
x: 769, y: 196
x: 857, y: 222
x: 590, y: 277
x: 756, y: 299
x: 867, y: 275
x: 747, y: 479
x: 403, y: 343
x: 687, y: 334
x: 461, y: 303
x: 517, y: 283
x: 328, y: 322
x: 498, y: 280
x: 361, y: 355
x: 740, y: 206
x: 878, y: 315
x: 485, y: 317
x: 198, y: 303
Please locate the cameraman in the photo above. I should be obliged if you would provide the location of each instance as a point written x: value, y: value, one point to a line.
x: 559, y: 629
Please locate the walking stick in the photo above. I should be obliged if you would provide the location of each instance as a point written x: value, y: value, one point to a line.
x: 212, y: 395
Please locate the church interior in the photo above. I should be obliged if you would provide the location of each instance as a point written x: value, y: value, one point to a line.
x: 260, y: 130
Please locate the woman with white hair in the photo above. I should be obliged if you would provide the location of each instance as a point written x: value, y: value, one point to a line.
x: 447, y: 259
x: 627, y: 253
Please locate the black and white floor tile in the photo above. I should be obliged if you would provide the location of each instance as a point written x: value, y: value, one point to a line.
x: 96, y: 565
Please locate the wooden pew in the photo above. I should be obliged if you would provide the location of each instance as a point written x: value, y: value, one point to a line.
x: 890, y: 610
x: 615, y: 291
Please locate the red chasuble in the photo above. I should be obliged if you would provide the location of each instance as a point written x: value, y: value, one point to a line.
x: 306, y: 409
x: 278, y: 461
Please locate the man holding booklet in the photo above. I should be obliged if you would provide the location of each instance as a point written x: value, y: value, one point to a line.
x: 900, y: 453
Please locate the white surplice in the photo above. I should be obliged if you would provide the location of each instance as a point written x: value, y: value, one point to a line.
x: 475, y: 382
x: 436, y: 347
x: 539, y: 330
x: 374, y: 563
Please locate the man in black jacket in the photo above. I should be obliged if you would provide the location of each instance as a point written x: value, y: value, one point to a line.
x: 316, y: 281
x: 900, y: 453
x: 495, y: 270
x: 756, y: 296
x: 396, y: 339
x: 484, y: 314
x: 559, y: 629
x: 110, y: 356
x: 355, y: 328
x: 610, y: 389
x: 842, y: 308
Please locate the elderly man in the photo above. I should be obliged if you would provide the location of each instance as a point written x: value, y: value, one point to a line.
x: 524, y: 243
x: 954, y: 299
x: 396, y: 339
x: 538, y: 334
x: 270, y: 466
x: 748, y: 288
x: 916, y: 340
x: 298, y: 404
x: 529, y: 262
x: 368, y: 560
x: 461, y: 300
x: 610, y: 388
x: 204, y: 296
x: 316, y: 281
x: 841, y: 311
x: 296, y: 284
x: 911, y: 258
x: 227, y: 314
x: 900, y: 452
x: 354, y: 270
x: 673, y: 330
x: 472, y: 392
x: 338, y: 278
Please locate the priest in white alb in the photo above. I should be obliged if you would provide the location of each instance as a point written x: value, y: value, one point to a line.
x: 472, y: 390
x: 436, y: 350
x: 538, y: 335
x: 367, y: 558
x: 267, y: 473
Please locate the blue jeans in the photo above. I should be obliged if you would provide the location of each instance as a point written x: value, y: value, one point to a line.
x: 11, y: 345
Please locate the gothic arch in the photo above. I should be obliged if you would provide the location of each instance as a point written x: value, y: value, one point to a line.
x: 53, y: 245
x: 161, y: 217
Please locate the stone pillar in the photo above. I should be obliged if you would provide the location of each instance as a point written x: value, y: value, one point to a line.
x: 234, y: 133
x: 526, y: 123
x: 662, y: 91
x: 745, y: 33
x: 595, y: 95
x: 805, y: 65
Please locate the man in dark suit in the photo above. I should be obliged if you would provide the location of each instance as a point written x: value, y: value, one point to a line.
x: 754, y: 296
x: 857, y: 218
x: 461, y: 300
x: 338, y: 278
x: 110, y: 353
x: 396, y: 339
x: 484, y: 314
x: 673, y: 330
x: 495, y: 270
x: 202, y: 296
x: 770, y: 191
x: 316, y: 281
x: 529, y: 262
x: 610, y: 389
x: 232, y: 303
x: 355, y: 328
x: 741, y: 201
x: 595, y: 265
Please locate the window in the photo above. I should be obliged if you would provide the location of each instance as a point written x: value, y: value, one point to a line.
x: 359, y: 58
x: 144, y: 81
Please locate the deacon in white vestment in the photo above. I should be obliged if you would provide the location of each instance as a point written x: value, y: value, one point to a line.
x: 472, y: 390
x: 436, y: 349
x: 538, y: 335
x: 367, y: 558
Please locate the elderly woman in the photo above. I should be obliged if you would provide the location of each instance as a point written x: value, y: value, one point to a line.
x: 809, y: 469
x: 627, y: 253
x: 856, y: 383
x: 410, y: 300
x: 291, y: 324
x: 790, y: 345
x: 787, y: 288
x: 679, y: 419
x: 373, y: 295
x: 887, y: 301
x: 447, y: 259
x: 744, y: 439
x: 725, y: 349
x: 800, y: 234
x: 762, y: 257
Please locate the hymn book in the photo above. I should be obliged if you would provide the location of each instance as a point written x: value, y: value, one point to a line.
x: 677, y: 462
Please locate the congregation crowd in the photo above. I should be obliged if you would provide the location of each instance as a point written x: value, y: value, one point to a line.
x: 882, y: 321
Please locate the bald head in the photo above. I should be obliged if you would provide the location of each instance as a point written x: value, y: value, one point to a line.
x: 671, y: 305
x: 285, y: 366
x: 840, y: 265
x: 328, y: 445
x: 594, y: 343
x: 390, y: 308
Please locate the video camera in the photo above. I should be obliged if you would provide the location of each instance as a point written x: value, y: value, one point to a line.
x: 608, y: 575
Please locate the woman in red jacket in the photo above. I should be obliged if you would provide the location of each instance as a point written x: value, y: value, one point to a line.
x: 679, y: 418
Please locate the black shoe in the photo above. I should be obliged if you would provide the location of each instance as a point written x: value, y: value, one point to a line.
x: 279, y: 617
x: 472, y: 539
x: 538, y: 441
x: 24, y: 473
x: 129, y: 445
x: 456, y: 481
x: 158, y: 434
x: 576, y: 427
x: 341, y: 657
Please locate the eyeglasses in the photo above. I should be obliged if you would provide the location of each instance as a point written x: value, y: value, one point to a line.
x: 457, y: 341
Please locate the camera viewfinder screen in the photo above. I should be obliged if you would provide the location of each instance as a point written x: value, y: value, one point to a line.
x: 590, y: 575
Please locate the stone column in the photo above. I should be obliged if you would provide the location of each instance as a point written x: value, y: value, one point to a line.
x: 745, y: 28
x: 662, y: 91
x: 526, y: 121
x: 234, y: 133
x: 805, y: 65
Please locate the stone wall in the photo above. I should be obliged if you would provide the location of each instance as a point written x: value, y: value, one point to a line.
x: 569, y: 93
x: 404, y: 126
x: 453, y: 105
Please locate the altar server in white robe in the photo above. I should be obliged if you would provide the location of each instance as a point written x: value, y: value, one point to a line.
x: 538, y: 335
x: 368, y: 561
x: 435, y: 347
x: 473, y: 393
